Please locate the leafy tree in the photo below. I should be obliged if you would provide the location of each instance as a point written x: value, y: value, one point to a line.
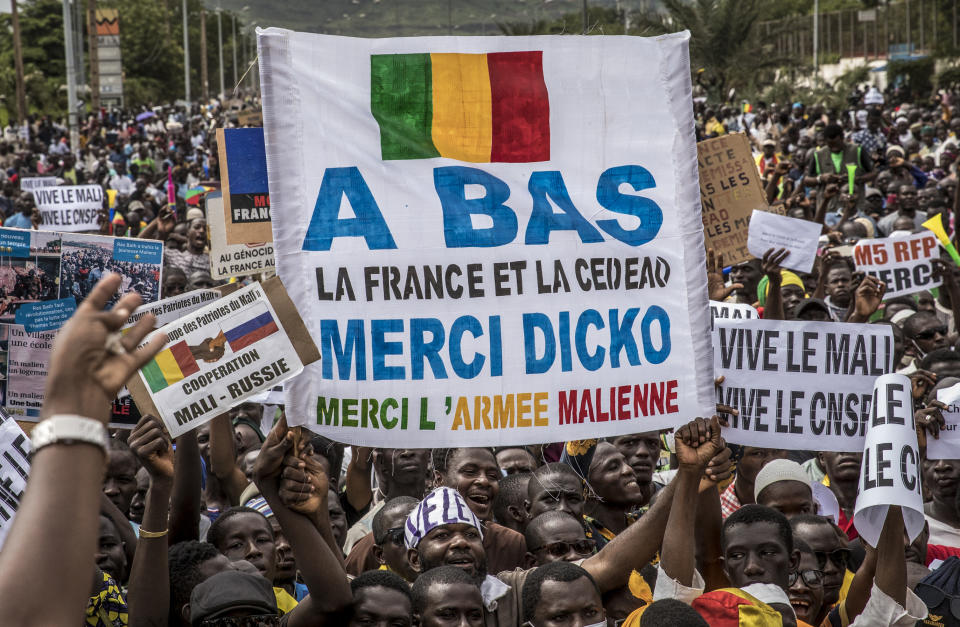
x: 726, y: 51
x: 44, y: 61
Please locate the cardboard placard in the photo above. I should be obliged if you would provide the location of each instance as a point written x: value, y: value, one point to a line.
x: 246, y: 195
x: 250, y: 118
x: 221, y: 354
x: 890, y: 472
x: 233, y: 260
x: 730, y: 190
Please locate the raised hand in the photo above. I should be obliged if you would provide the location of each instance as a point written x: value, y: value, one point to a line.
x: 929, y: 420
x: 151, y: 445
x: 715, y: 283
x: 697, y: 442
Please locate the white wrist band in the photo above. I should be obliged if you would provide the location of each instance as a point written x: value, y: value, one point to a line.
x: 69, y: 429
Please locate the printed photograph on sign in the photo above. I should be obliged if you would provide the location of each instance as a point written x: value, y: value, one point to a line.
x: 85, y: 261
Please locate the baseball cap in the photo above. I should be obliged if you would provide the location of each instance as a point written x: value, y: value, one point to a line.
x: 229, y: 591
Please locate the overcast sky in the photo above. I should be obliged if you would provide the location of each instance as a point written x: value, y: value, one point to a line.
x: 4, y: 6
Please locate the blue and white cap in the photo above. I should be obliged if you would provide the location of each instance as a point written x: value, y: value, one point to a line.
x: 443, y: 506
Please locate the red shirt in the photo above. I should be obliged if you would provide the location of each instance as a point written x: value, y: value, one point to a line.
x: 847, y: 526
x: 940, y: 552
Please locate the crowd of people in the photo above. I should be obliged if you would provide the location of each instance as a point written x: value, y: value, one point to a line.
x: 246, y: 521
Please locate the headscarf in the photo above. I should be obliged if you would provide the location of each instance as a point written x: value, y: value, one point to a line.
x: 578, y: 454
x: 787, y: 278
x: 106, y: 607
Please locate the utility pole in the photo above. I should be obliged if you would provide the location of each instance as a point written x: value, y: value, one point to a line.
x: 204, y: 77
x: 220, y: 46
x: 186, y: 55
x: 94, y: 55
x: 18, y: 62
x: 68, y: 46
x: 816, y: 37
x: 234, y: 46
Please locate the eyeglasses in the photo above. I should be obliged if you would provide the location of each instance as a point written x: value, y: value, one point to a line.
x: 562, y: 549
x: 839, y: 557
x: 810, y: 577
x: 263, y: 620
x: 929, y: 334
x: 394, y: 535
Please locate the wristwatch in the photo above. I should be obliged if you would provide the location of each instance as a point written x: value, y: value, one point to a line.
x: 69, y: 429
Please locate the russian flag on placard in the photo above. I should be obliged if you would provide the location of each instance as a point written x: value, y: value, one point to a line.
x: 253, y: 329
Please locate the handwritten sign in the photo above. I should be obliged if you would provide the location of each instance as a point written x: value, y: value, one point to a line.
x: 730, y: 190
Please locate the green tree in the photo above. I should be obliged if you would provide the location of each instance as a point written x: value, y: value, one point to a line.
x: 44, y: 61
x: 726, y: 51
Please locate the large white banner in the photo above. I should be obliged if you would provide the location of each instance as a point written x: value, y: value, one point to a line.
x: 491, y: 239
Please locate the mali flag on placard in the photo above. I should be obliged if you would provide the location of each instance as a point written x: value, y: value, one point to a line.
x: 480, y: 108
x: 169, y: 366
x: 250, y: 331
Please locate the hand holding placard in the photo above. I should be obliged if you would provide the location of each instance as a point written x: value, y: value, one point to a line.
x: 890, y: 471
x: 948, y: 442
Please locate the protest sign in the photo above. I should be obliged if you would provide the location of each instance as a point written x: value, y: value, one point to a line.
x: 800, y: 237
x: 730, y: 190
x: 903, y: 263
x: 250, y: 118
x: 890, y: 471
x: 733, y: 311
x: 169, y: 309
x: 519, y: 264
x: 243, y: 176
x: 43, y: 277
x: 15, y: 451
x: 229, y: 260
x: 69, y: 208
x: 799, y: 385
x: 219, y: 355
x: 29, y: 184
x: 947, y: 446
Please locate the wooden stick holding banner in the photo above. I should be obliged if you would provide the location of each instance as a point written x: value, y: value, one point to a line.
x: 890, y: 470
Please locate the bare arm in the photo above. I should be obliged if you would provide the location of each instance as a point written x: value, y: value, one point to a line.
x: 185, y: 498
x: 770, y: 265
x: 148, y: 593
x: 359, y: 470
x: 891, y: 575
x: 330, y: 597
x: 223, y: 458
x: 57, y: 550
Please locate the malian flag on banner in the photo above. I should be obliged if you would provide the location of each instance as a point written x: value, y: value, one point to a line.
x: 481, y: 108
x: 256, y: 326
x: 172, y: 364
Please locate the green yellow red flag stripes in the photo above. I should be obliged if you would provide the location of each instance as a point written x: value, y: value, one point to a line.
x: 479, y: 108
x: 169, y: 366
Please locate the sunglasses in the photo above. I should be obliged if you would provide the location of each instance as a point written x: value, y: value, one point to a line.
x: 839, y: 557
x: 562, y: 549
x: 810, y: 577
x: 394, y: 535
x: 934, y: 597
x: 929, y: 334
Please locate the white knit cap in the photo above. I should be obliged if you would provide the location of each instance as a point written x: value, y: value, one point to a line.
x: 779, y: 470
